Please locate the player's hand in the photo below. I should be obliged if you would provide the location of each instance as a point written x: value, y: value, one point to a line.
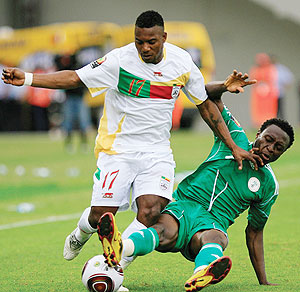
x: 13, y: 76
x: 236, y: 81
x: 240, y: 154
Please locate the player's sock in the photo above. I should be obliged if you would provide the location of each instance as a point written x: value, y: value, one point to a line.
x: 208, y: 253
x: 134, y: 226
x: 141, y: 242
x: 84, y: 230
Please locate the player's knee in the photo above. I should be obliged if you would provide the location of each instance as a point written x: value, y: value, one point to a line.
x: 94, y: 217
x: 149, y: 215
x: 214, y: 236
x: 149, y: 208
x: 97, y: 211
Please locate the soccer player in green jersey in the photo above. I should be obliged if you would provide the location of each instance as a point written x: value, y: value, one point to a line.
x: 207, y: 203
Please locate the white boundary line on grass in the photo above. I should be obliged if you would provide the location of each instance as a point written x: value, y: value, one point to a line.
x: 40, y: 221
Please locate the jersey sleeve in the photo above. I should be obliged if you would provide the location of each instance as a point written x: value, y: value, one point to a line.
x: 101, y: 74
x: 219, y: 149
x: 259, y: 211
x: 194, y: 89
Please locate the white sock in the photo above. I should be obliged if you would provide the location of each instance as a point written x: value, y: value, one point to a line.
x: 134, y: 226
x: 199, y: 268
x: 84, y: 230
x: 128, y: 247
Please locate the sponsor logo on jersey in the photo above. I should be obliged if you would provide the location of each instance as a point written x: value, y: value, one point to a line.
x: 157, y: 74
x: 164, y: 183
x: 98, y: 62
x: 175, y: 91
x: 107, y: 195
x: 253, y: 184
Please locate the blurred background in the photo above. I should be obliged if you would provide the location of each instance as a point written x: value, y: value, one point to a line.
x: 251, y: 36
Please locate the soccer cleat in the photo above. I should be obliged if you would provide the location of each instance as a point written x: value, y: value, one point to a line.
x: 110, y: 238
x: 212, y: 274
x: 72, y: 246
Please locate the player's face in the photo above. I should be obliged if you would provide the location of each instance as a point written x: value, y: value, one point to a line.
x: 271, y: 143
x: 150, y: 43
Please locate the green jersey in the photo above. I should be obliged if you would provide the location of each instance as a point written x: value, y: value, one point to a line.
x: 223, y: 190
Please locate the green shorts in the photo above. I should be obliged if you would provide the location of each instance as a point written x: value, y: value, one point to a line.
x: 192, y: 217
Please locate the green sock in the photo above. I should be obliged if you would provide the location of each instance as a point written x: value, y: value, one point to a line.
x: 208, y: 253
x: 145, y: 241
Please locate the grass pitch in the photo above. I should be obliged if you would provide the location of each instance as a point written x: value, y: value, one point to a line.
x: 35, y: 169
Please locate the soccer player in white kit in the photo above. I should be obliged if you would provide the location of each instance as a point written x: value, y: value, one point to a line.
x: 142, y: 82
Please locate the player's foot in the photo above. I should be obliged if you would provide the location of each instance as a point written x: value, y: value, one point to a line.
x: 110, y: 238
x: 123, y: 289
x: 72, y: 246
x: 212, y: 274
x: 124, y: 262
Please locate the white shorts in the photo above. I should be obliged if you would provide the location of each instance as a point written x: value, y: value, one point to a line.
x: 143, y: 173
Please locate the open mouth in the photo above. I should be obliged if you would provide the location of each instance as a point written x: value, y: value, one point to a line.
x: 265, y: 157
x: 146, y: 57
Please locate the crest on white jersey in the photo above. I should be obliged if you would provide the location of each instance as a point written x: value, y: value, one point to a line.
x: 164, y: 183
x: 253, y: 184
x: 175, y: 91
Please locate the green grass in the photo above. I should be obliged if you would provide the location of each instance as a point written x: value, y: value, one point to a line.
x: 31, y: 256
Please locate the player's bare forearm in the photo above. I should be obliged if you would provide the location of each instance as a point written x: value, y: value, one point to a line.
x: 210, y: 112
x: 254, y: 239
x: 66, y: 79
x: 215, y: 90
x: 212, y: 116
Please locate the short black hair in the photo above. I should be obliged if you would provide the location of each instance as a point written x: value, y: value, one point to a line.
x: 283, y: 125
x: 148, y: 19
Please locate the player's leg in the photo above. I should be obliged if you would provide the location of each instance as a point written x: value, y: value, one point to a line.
x: 152, y: 191
x: 210, y: 265
x: 111, y: 191
x: 161, y: 236
x: 84, y: 230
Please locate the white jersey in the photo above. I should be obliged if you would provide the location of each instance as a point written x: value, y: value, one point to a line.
x: 140, y: 97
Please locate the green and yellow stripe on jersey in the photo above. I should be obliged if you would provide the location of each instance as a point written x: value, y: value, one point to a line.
x: 134, y: 86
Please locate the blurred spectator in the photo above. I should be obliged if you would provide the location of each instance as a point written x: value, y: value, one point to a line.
x: 264, y: 94
x: 39, y: 100
x: 284, y: 80
x: 10, y: 107
x: 75, y: 109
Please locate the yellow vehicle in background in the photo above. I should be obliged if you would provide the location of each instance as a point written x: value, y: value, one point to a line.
x: 16, y: 45
x: 37, y: 47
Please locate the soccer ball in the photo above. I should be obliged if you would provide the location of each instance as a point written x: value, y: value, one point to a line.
x: 97, y: 276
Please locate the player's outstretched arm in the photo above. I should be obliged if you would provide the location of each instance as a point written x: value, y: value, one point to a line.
x: 58, y: 80
x: 254, y: 239
x: 212, y: 116
x: 234, y: 83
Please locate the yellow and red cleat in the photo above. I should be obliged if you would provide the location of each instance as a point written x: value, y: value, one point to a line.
x: 212, y: 274
x: 110, y: 238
